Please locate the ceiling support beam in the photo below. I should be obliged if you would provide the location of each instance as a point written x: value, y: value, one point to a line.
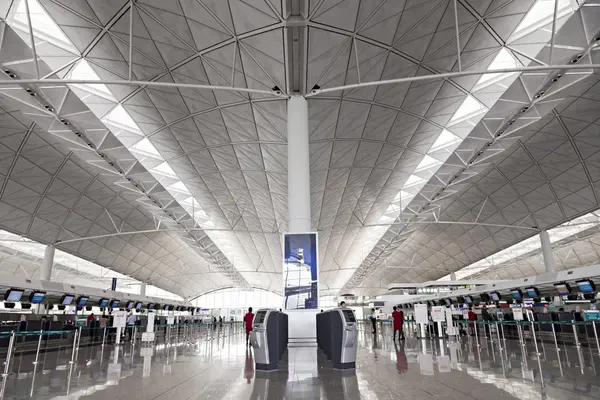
x: 295, y: 35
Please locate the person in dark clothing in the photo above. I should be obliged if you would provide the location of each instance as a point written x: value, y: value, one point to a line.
x: 220, y: 322
x: 373, y: 317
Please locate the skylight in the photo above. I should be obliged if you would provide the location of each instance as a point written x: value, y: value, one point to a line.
x: 413, y: 180
x: 445, y: 140
x: 426, y: 163
x: 469, y: 108
x: 44, y: 27
x: 165, y: 169
x: 84, y: 71
x: 557, y: 234
x: 146, y: 148
x: 504, y: 59
x: 540, y: 15
x: 119, y: 118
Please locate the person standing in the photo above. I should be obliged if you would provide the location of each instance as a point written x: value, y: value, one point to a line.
x: 130, y: 324
x: 398, y: 316
x: 373, y: 317
x: 248, y: 318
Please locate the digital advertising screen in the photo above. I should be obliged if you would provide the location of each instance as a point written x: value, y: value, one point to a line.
x: 37, y: 297
x: 300, y: 271
x: 13, y: 295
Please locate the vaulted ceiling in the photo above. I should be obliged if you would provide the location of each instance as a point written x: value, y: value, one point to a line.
x: 186, y: 187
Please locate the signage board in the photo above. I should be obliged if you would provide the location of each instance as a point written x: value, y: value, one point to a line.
x: 438, y: 313
x: 591, y: 315
x: 517, y: 314
x: 421, y: 316
x: 119, y: 319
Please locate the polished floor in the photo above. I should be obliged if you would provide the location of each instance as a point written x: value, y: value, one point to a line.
x: 221, y: 367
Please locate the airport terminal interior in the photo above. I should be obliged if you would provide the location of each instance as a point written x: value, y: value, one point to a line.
x: 299, y: 199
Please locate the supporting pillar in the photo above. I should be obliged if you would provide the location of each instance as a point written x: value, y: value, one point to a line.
x: 547, y: 252
x: 299, y: 220
x: 143, y: 289
x: 302, y: 324
x: 452, y: 276
x: 46, y: 272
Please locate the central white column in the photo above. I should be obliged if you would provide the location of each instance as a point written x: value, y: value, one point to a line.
x: 302, y: 324
x: 547, y: 252
x: 143, y: 289
x: 299, y: 220
x: 46, y: 272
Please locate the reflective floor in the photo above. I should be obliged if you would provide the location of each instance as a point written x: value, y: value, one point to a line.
x: 222, y: 367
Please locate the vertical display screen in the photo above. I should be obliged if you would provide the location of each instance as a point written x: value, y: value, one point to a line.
x: 300, y: 271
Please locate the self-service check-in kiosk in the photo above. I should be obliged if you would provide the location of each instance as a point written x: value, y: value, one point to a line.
x: 269, y: 338
x: 337, y: 337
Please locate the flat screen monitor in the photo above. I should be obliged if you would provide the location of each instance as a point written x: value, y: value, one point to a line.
x: 67, y: 299
x: 138, y: 306
x: 468, y: 300
x: 150, y: 306
x: 103, y: 303
x: 156, y: 306
x: 448, y: 302
x: 485, y: 297
x: 166, y: 307
x: 130, y: 305
x: 586, y: 286
x: 495, y: 296
x: 13, y: 295
x: 562, y: 288
x: 114, y: 303
x: 82, y: 301
x: 516, y: 294
x: 259, y: 318
x: 532, y: 292
x: 460, y: 300
x: 349, y: 315
x: 37, y: 297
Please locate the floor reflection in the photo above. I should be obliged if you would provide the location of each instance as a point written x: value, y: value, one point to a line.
x: 221, y: 366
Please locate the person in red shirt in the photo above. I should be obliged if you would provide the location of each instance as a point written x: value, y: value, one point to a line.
x: 248, y: 318
x: 398, y: 317
x: 472, y: 318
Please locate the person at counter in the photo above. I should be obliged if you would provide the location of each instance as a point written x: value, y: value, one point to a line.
x: 90, y: 318
x: 248, y: 318
x: 373, y: 318
x: 398, y: 317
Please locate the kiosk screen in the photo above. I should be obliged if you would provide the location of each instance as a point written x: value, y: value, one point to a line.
x: 260, y: 317
x: 349, y: 316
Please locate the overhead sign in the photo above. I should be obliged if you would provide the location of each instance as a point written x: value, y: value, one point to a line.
x: 300, y: 271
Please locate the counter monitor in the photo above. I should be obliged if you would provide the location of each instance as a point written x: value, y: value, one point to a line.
x: 166, y: 307
x: 532, y: 292
x: 103, y: 303
x: 67, y: 299
x: 516, y: 294
x: 448, y: 302
x: 562, y: 288
x: 130, y: 305
x: 82, y: 301
x: 138, y: 306
x: 586, y: 286
x: 469, y: 300
x: 114, y: 303
x: 495, y: 296
x: 37, y: 297
x: 150, y: 306
x: 13, y: 295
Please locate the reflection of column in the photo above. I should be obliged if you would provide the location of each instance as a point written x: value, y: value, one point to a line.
x: 547, y: 252
x: 298, y: 166
x: 46, y: 272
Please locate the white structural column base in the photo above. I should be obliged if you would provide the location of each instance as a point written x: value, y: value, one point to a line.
x: 302, y: 323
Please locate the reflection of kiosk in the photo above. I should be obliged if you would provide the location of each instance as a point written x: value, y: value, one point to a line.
x: 298, y: 279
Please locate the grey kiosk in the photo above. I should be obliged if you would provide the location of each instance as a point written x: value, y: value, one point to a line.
x: 337, y: 337
x: 269, y: 338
